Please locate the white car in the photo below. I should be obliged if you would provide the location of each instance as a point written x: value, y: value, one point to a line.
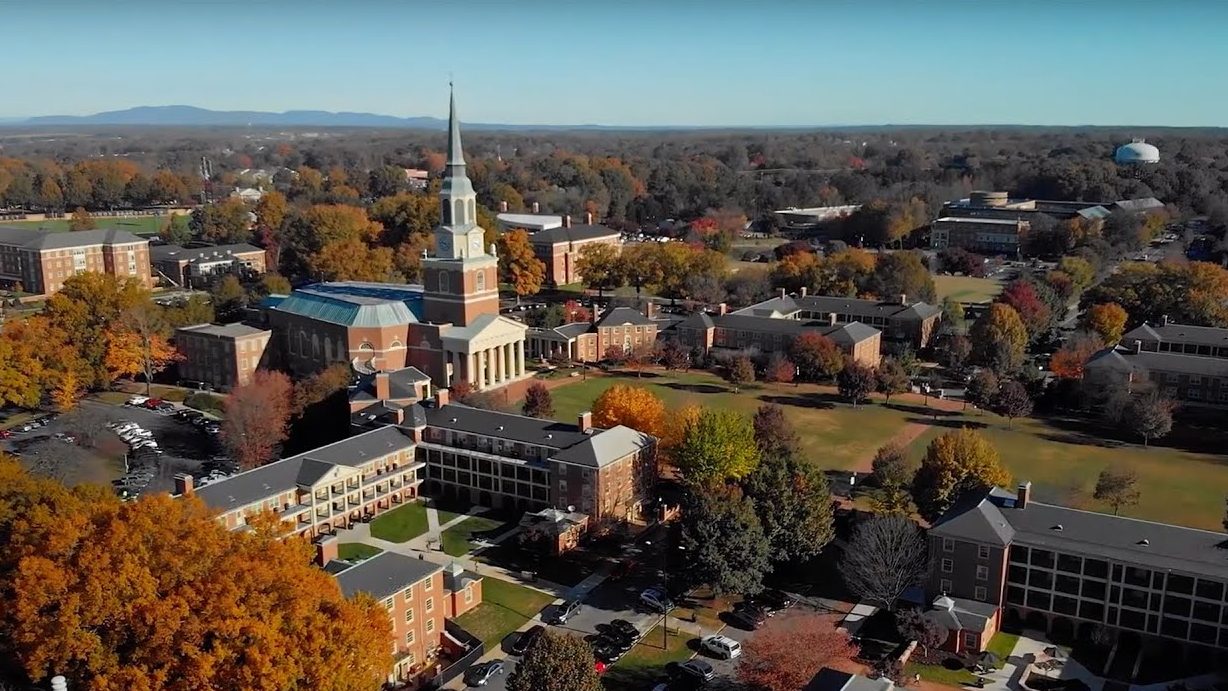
x: 125, y: 427
x: 137, y: 400
x: 723, y: 647
x: 656, y: 600
x: 132, y: 437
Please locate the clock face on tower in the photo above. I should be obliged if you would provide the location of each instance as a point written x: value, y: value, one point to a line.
x: 444, y: 245
x: 475, y: 244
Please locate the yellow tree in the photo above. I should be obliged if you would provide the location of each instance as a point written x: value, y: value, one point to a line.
x: 517, y: 264
x: 631, y: 406
x: 1106, y: 320
x: 352, y: 260
x: 88, y: 308
x: 81, y: 220
x: 956, y: 464
x: 66, y: 390
x: 599, y: 266
x: 137, y: 344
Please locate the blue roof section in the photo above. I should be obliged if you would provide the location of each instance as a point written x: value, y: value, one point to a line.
x: 353, y: 303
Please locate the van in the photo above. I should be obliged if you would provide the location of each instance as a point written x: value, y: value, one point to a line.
x: 722, y: 647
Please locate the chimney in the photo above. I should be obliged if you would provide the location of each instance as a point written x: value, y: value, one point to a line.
x: 1023, y: 495
x: 804, y: 289
x: 59, y: 683
x: 183, y: 484
x: 567, y: 220
x: 381, y: 386
x: 503, y: 207
x: 588, y: 218
x: 596, y: 312
x: 326, y: 549
x: 536, y: 208
x: 832, y: 318
x: 441, y: 398
x: 400, y: 415
x: 722, y: 309
x: 1138, y: 346
x: 782, y: 293
x: 1164, y: 320
x: 585, y: 421
x: 650, y: 309
x: 903, y: 299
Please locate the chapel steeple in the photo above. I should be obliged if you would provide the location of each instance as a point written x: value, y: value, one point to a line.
x: 458, y: 235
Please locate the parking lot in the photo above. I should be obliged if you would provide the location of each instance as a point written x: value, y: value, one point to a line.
x: 100, y: 456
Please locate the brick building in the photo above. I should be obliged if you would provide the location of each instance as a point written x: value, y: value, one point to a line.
x: 1068, y: 572
x: 988, y: 235
x: 40, y: 261
x: 559, y: 248
x: 589, y: 341
x: 419, y: 596
x: 222, y: 355
x: 1184, y: 362
x: 196, y: 267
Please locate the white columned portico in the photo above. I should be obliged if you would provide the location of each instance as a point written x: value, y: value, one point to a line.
x: 520, y: 358
x: 481, y: 382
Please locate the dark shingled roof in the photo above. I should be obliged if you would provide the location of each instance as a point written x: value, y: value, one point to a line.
x: 34, y: 239
x: 528, y: 430
x: 1127, y: 360
x: 576, y: 233
x: 384, y: 575
x: 975, y: 519
x: 159, y: 253
x: 842, y: 334
x: 964, y: 615
x: 1177, y: 333
x: 867, y: 308
x: 623, y: 315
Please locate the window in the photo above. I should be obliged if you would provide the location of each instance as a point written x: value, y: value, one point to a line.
x: 982, y: 551
x: 409, y: 615
x: 948, y: 545
x: 410, y: 659
x: 480, y: 280
x: 982, y: 573
x: 409, y: 638
x: 970, y: 640
x: 430, y: 604
x: 443, y: 281
x: 947, y: 566
x: 426, y: 585
x: 468, y: 594
x: 388, y: 603
x: 982, y: 593
x: 430, y: 625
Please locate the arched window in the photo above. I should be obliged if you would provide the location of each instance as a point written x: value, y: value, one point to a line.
x: 473, y: 211
x: 481, y: 280
x: 458, y: 215
x: 446, y: 212
x: 304, y: 346
x: 396, y: 344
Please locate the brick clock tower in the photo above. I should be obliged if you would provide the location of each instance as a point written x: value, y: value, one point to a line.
x: 461, y: 279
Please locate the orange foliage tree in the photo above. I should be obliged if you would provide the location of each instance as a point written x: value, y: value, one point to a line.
x: 1107, y: 320
x: 137, y: 344
x: 1069, y: 361
x: 518, y: 265
x: 157, y: 595
x: 632, y: 406
x: 787, y: 652
x: 256, y: 418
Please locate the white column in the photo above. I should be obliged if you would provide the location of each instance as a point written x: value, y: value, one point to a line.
x: 481, y: 380
x: 489, y: 364
x: 505, y: 368
x: 471, y: 368
x: 449, y: 360
x: 520, y: 357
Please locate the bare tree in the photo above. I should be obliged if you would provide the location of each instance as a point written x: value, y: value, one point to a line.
x: 914, y: 625
x: 886, y: 555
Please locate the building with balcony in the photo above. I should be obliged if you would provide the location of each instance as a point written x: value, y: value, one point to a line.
x: 1199, y: 379
x: 1069, y: 572
x: 419, y: 597
x: 323, y: 489
x: 196, y: 267
x: 40, y: 261
x: 222, y: 355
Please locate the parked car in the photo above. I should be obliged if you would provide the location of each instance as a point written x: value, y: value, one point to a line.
x: 526, y: 638
x: 695, y: 670
x: 137, y: 400
x: 565, y: 611
x: 748, y: 618
x: 625, y: 627
x: 656, y: 600
x: 723, y: 647
x: 165, y: 408
x: 6, y: 434
x: 65, y: 437
x: 152, y: 403
x: 624, y: 568
x: 480, y: 674
x: 772, y: 601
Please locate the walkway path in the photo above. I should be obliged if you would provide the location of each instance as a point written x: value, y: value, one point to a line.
x: 906, y: 436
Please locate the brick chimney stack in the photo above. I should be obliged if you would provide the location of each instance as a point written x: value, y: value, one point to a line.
x: 722, y: 309
x: 903, y: 299
x: 588, y: 218
x: 326, y: 549
x: 783, y: 294
x: 804, y: 291
x: 184, y: 485
x: 567, y: 220
x: 441, y: 398
x: 585, y: 421
x: 1023, y: 495
x: 381, y: 386
x: 536, y: 208
x: 503, y: 207
x: 650, y: 309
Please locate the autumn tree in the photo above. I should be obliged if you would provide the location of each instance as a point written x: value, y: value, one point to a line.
x: 270, y: 217
x: 598, y: 264
x: 537, y: 401
x: 138, y: 344
x: 1117, y: 486
x: 816, y: 356
x: 1011, y: 401
x: 717, y: 446
x: 1080, y: 271
x: 1106, y: 320
x: 632, y: 406
x: 1070, y: 360
x: 891, y: 378
x: 779, y: 370
x: 518, y: 266
x: 556, y: 662
x: 999, y: 338
x: 256, y: 417
x: 902, y: 274
x: 955, y: 464
x: 891, y: 472
x: 982, y: 388
x: 794, y: 505
x: 1149, y: 415
x: 786, y: 653
x: 954, y: 352
x: 352, y: 259
x: 885, y: 556
x: 85, y: 575
x: 855, y: 381
x: 197, y: 309
x: 616, y: 354
x: 229, y: 298
x: 89, y: 307
x: 1022, y: 296
x: 225, y: 222
x: 81, y: 220
x: 915, y: 625
x: 774, y: 434
x: 740, y: 372
x: 725, y: 546
x: 675, y: 355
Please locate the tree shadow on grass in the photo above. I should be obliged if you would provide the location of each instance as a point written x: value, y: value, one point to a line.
x: 922, y: 410
x: 950, y: 423
x: 696, y: 388
x: 815, y: 401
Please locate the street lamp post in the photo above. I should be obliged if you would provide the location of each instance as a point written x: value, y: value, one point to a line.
x: 665, y: 588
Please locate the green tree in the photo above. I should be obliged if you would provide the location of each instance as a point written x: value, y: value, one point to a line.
x: 794, y: 505
x: 225, y: 222
x: 195, y: 310
x: 956, y: 464
x: 891, y: 378
x: 600, y: 266
x: 891, y: 471
x: 953, y: 316
x: 903, y: 275
x: 741, y: 372
x: 724, y: 542
x: 556, y: 662
x: 999, y: 339
x: 855, y: 382
x: 229, y: 298
x: 1117, y: 487
x: 1080, y: 271
x: 716, y: 446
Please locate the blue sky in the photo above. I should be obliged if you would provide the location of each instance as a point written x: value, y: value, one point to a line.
x: 631, y: 62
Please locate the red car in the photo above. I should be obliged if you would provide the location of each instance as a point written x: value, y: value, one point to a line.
x: 5, y: 434
x: 600, y: 667
x: 152, y: 403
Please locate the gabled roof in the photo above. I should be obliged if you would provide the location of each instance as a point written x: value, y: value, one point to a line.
x: 579, y: 233
x: 622, y: 315
x: 34, y: 239
x: 385, y: 575
x: 975, y: 519
x: 851, y: 333
x: 962, y: 615
x: 699, y: 320
x: 1178, y: 333
x: 400, y: 385
x: 1139, y: 205
x: 573, y: 329
x: 355, y: 304
x: 1128, y: 360
x: 866, y: 308
x: 499, y: 425
x: 604, y: 447
x: 777, y: 305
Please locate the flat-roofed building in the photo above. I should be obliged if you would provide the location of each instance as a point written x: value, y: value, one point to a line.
x: 991, y: 235
x: 40, y: 261
x: 197, y: 266
x: 222, y: 355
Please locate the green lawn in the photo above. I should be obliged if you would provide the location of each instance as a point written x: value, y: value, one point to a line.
x: 456, y: 540
x: 966, y: 288
x: 505, y: 607
x: 356, y: 551
x: 1177, y: 486
x: 401, y: 524
x: 645, y: 663
x: 939, y: 674
x: 1002, y: 644
x: 834, y: 435
x: 140, y: 225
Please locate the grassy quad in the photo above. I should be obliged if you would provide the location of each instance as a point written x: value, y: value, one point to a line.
x: 505, y: 608
x: 356, y: 551
x: 458, y: 540
x: 402, y: 524
x: 645, y: 663
x: 138, y: 225
x: 966, y: 288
